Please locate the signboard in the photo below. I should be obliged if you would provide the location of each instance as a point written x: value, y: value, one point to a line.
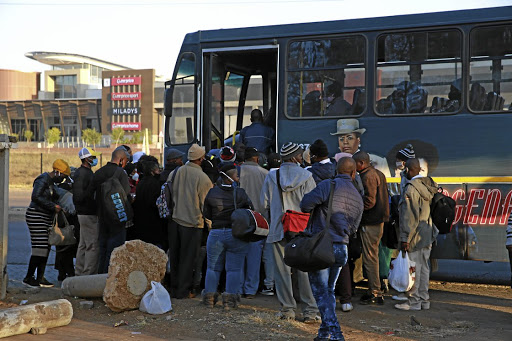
x: 126, y: 111
x: 127, y: 125
x: 126, y: 81
x: 126, y: 96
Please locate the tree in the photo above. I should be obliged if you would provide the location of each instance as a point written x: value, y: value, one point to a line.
x: 91, y: 136
x: 52, y: 136
x: 137, y: 137
x: 28, y: 135
x: 117, y: 135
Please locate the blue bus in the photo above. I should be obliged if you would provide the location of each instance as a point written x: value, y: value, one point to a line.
x: 439, y: 81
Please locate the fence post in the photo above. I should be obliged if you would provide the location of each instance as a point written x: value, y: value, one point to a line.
x: 41, y: 172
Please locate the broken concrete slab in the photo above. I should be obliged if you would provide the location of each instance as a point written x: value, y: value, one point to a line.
x: 36, y: 317
x: 85, y: 286
x: 132, y: 268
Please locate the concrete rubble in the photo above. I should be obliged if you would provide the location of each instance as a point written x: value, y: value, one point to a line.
x: 85, y: 286
x: 132, y: 268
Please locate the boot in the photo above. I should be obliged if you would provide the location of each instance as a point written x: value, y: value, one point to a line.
x: 209, y: 299
x: 230, y: 301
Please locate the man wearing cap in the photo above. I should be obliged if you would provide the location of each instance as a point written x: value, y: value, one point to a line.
x: 189, y: 189
x: 252, y: 176
x: 83, y: 198
x: 173, y: 159
x: 257, y: 135
x: 349, y: 141
x: 294, y: 183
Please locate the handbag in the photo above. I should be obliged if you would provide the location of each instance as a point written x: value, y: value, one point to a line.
x: 247, y: 225
x: 293, y: 222
x: 61, y: 235
x: 308, y: 252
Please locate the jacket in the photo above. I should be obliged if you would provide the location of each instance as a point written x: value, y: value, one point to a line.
x: 416, y: 226
x: 252, y: 177
x: 376, y: 198
x: 509, y: 231
x: 322, y: 171
x: 220, y: 203
x: 258, y: 136
x: 83, y: 194
x: 44, y: 197
x: 295, y: 182
x: 148, y: 226
x: 169, y: 167
x: 347, y: 208
x: 189, y: 188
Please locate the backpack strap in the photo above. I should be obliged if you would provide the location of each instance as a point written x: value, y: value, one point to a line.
x: 329, y: 205
x: 234, y: 196
x: 278, y: 178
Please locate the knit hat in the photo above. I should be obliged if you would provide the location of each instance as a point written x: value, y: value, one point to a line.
x: 174, y: 154
x: 62, y: 166
x: 195, y: 152
x: 406, y: 153
x: 289, y: 150
x: 251, y: 152
x: 338, y: 156
x: 319, y: 148
x: 227, y: 154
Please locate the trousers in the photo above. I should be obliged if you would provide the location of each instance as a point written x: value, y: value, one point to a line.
x: 87, y: 255
x: 370, y: 237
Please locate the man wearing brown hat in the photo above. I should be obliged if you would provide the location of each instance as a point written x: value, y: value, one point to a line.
x: 189, y: 189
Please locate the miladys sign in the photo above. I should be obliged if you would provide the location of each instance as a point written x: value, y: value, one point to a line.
x: 126, y: 111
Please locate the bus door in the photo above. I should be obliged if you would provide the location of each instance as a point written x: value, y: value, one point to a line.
x: 236, y: 81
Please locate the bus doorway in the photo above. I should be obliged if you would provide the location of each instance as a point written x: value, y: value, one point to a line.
x: 236, y: 81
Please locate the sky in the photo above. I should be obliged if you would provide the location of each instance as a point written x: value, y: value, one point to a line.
x: 143, y: 34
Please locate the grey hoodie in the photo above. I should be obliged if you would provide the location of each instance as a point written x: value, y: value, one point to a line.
x: 416, y: 226
x: 295, y: 182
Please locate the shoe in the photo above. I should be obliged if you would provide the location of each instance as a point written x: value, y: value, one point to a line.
x: 320, y: 339
x: 406, y: 306
x: 425, y: 305
x: 230, y: 301
x: 209, y: 299
x: 249, y: 296
x: 44, y: 283
x: 285, y: 316
x: 312, y: 320
x: 371, y: 299
x: 268, y: 291
x: 384, y: 285
x: 346, y: 307
x: 400, y: 297
x: 31, y: 282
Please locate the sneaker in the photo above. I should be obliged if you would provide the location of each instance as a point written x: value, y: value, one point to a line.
x: 268, y: 291
x: 371, y: 299
x: 406, y: 306
x: 249, y: 296
x: 346, y: 307
x: 425, y: 305
x: 400, y: 297
x: 285, y: 316
x: 312, y: 320
x: 44, y: 283
x: 31, y: 282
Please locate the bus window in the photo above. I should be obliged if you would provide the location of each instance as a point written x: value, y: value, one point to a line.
x: 490, y: 85
x: 419, y: 72
x: 181, y: 121
x: 326, y: 77
x: 233, y: 88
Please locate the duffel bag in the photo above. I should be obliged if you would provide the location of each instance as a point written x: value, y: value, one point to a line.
x: 248, y: 225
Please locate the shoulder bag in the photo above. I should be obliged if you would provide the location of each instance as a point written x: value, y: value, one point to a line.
x: 246, y: 224
x: 293, y: 222
x: 308, y: 252
x: 61, y: 235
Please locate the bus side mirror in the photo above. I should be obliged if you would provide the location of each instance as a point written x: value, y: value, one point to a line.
x: 168, y: 101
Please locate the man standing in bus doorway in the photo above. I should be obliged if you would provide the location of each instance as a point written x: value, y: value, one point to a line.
x: 189, y: 190
x: 277, y: 197
x: 376, y: 212
x: 417, y: 233
x: 257, y: 135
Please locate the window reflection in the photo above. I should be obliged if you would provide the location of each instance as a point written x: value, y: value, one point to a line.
x: 181, y: 129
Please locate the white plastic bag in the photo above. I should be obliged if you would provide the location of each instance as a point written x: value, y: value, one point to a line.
x: 156, y: 300
x: 402, y: 273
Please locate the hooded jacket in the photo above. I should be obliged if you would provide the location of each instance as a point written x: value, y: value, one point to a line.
x: 252, y: 177
x: 219, y: 204
x: 416, y: 225
x: 322, y: 171
x: 295, y: 182
x: 347, y: 208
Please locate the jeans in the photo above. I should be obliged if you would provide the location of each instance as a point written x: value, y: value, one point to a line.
x: 322, y: 284
x: 269, y: 263
x: 251, y: 268
x: 223, y: 250
x: 107, y: 243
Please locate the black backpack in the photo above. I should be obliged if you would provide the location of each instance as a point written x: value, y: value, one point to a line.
x: 116, y: 210
x: 391, y: 228
x: 442, y: 211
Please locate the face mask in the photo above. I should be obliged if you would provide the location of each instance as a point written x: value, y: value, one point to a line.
x: 94, y: 162
x: 234, y: 183
x: 135, y: 176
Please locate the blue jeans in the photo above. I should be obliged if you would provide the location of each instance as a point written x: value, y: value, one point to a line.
x: 107, y: 244
x: 222, y: 249
x: 322, y: 284
x: 251, y: 268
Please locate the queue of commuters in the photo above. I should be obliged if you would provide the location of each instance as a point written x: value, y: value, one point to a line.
x: 206, y: 259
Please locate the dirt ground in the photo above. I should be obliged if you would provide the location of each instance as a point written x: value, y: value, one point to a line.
x: 458, y: 312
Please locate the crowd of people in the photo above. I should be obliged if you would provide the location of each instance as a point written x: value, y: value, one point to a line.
x: 204, y: 257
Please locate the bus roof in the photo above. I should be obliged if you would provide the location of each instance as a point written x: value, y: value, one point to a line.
x: 481, y: 15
